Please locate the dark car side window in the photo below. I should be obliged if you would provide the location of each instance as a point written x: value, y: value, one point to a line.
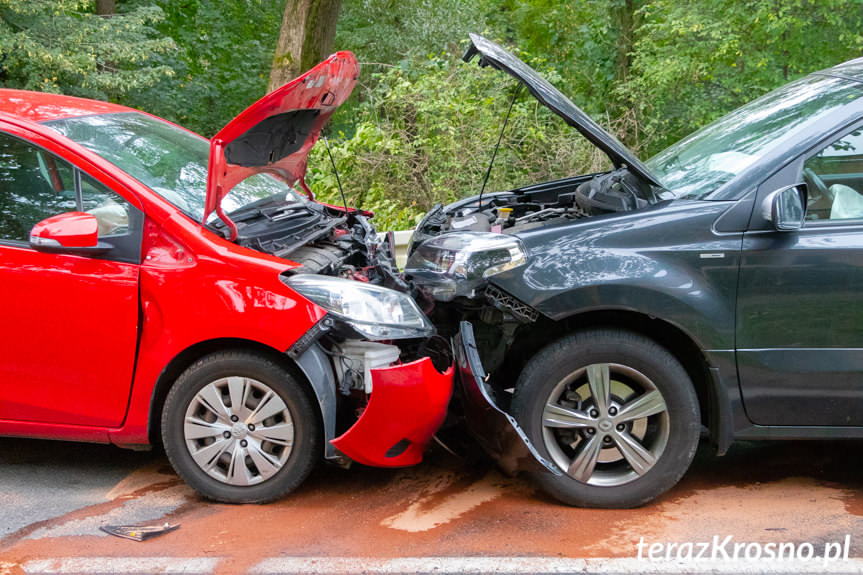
x: 834, y: 177
x: 35, y: 184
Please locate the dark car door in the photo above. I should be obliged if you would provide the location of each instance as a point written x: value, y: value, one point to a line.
x: 800, y: 301
x: 69, y: 322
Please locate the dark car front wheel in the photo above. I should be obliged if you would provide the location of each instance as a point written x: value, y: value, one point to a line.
x: 238, y: 428
x: 612, y: 409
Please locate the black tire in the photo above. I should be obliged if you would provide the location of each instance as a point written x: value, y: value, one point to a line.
x: 555, y: 404
x: 273, y: 455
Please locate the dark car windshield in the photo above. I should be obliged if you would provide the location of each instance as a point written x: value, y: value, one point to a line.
x: 698, y: 165
x: 167, y: 159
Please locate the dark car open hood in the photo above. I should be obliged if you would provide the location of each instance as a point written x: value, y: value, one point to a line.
x: 276, y: 133
x: 493, y: 55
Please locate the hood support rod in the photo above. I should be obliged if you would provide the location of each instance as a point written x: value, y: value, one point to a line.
x: 335, y: 170
x: 499, y: 138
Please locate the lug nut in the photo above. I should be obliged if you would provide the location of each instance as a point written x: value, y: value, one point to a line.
x: 621, y: 427
x: 590, y: 431
x: 251, y: 427
x: 606, y: 439
x: 244, y: 443
x: 612, y: 411
x: 227, y: 435
x: 235, y: 419
x: 594, y: 413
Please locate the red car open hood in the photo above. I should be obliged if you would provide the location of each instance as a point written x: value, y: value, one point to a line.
x: 276, y: 133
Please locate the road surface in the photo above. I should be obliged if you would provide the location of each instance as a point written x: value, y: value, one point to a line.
x: 447, y: 515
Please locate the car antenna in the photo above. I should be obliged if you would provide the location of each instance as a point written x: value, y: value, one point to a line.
x: 335, y: 170
x: 499, y: 138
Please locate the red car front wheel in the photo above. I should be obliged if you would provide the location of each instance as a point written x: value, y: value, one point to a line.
x: 238, y: 428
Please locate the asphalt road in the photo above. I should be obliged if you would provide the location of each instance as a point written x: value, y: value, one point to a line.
x: 446, y: 515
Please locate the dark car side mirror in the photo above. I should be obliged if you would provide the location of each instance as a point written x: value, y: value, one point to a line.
x: 786, y: 207
x: 69, y: 232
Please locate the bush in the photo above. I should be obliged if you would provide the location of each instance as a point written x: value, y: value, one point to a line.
x: 425, y: 133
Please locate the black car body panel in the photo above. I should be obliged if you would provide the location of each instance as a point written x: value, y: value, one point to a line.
x: 664, y: 262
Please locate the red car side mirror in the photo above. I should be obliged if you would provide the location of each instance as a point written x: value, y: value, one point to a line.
x: 70, y: 232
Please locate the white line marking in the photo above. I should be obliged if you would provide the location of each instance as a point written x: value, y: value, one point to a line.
x: 125, y: 565
x: 536, y: 565
x: 433, y: 565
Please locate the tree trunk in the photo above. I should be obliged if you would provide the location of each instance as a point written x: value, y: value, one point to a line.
x: 306, y: 38
x: 624, y: 15
x: 105, y: 7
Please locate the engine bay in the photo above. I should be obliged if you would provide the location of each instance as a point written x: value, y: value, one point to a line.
x: 541, y: 204
x: 323, y: 239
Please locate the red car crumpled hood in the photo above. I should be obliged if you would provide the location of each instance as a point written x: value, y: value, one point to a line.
x: 276, y: 133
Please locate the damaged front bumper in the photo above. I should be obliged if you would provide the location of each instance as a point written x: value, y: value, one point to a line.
x: 497, y: 431
x: 407, y: 406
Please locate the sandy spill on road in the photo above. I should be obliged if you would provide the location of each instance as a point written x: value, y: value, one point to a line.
x: 437, y: 504
x: 790, y: 510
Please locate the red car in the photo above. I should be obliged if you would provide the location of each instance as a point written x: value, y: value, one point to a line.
x: 159, y: 287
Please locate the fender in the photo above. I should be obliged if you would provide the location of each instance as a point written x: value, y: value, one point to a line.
x: 316, y: 366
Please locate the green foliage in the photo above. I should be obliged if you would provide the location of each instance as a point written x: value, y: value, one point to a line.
x: 577, y: 39
x: 63, y: 46
x: 225, y: 48
x: 388, y: 31
x: 694, y: 61
x: 425, y: 134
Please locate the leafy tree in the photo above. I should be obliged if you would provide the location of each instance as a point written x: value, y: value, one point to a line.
x: 64, y: 46
x: 425, y: 134
x: 388, y: 31
x: 225, y: 48
x: 694, y: 61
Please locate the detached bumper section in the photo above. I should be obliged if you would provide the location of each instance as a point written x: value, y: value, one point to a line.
x: 496, y: 430
x: 406, y: 407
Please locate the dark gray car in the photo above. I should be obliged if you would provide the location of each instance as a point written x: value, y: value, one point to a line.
x: 608, y: 320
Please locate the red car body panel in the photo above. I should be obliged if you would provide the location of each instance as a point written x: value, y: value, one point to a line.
x: 322, y: 89
x: 43, y: 107
x: 419, y: 394
x: 93, y: 338
x: 70, y: 355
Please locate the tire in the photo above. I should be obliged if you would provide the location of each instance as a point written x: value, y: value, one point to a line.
x: 254, y: 454
x: 612, y: 456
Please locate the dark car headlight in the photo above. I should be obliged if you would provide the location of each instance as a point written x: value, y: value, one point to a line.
x: 455, y: 264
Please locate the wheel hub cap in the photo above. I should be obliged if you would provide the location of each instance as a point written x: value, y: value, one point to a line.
x: 239, y: 430
x: 605, y: 424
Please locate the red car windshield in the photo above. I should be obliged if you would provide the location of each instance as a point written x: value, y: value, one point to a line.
x: 167, y: 159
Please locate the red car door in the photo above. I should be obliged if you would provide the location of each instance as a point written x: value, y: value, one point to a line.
x: 68, y: 323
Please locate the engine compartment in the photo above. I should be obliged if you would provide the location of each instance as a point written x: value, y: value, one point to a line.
x: 323, y: 239
x: 537, y: 205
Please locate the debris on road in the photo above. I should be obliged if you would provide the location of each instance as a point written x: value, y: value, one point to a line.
x: 139, y: 532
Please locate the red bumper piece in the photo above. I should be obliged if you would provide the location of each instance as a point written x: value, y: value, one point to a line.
x: 407, y: 406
